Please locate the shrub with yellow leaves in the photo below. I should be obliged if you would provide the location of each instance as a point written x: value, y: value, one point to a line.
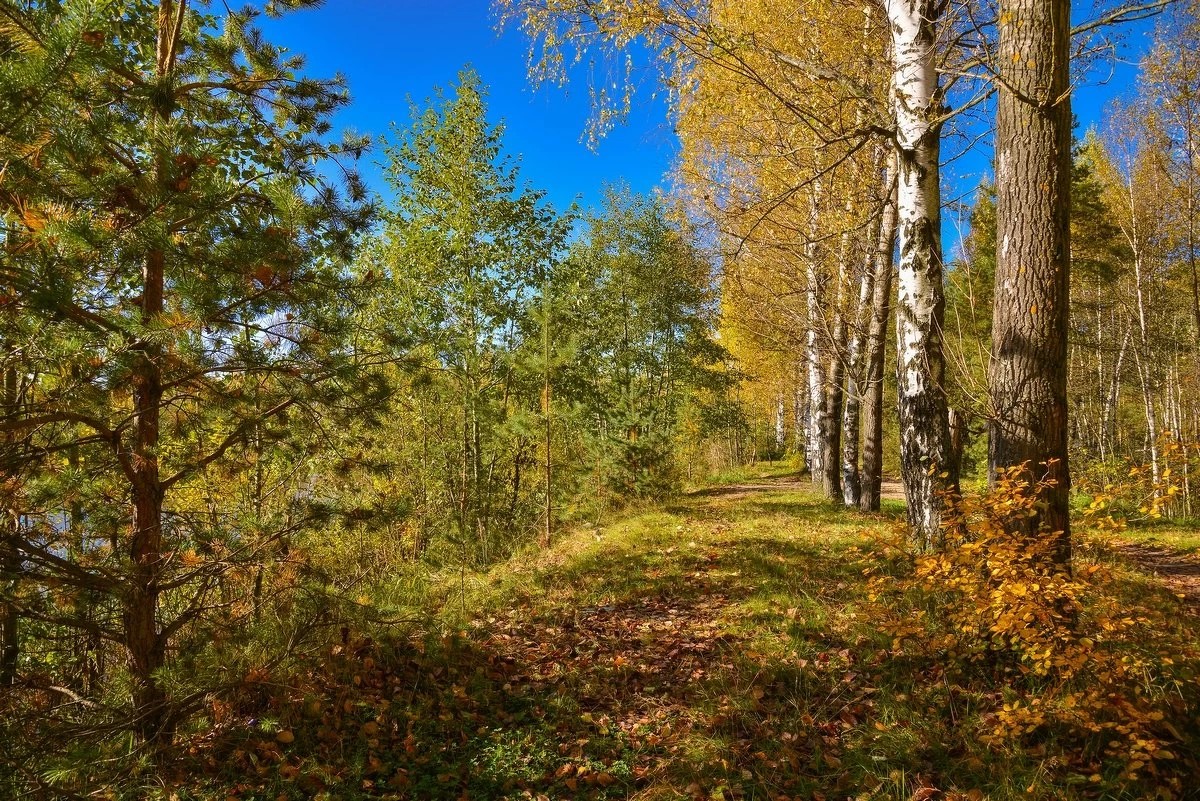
x: 1056, y: 655
x: 1137, y: 491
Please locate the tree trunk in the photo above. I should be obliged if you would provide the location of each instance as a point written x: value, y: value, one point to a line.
x: 852, y: 405
x: 921, y: 367
x: 10, y: 558
x: 875, y: 356
x: 10, y: 617
x: 852, y: 415
x: 147, y: 555
x: 799, y: 426
x: 780, y: 424
x: 146, y: 548
x: 831, y: 425
x: 1028, y: 375
x: 816, y: 376
x: 835, y: 374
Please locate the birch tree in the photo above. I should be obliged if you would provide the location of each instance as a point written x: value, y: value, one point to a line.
x: 917, y: 104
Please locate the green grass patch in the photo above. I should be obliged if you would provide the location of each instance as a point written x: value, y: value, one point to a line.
x: 719, y: 647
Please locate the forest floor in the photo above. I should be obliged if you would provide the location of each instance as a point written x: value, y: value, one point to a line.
x: 1178, y: 569
x: 715, y: 648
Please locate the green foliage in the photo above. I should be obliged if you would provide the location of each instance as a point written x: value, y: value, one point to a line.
x: 641, y: 298
x: 458, y: 268
x: 541, y: 380
x: 174, y: 339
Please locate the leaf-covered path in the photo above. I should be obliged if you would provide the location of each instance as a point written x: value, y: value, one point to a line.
x: 703, y: 650
x: 661, y: 659
x: 719, y: 648
x: 1176, y: 569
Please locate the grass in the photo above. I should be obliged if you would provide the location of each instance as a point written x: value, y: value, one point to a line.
x: 1183, y: 536
x: 720, y: 647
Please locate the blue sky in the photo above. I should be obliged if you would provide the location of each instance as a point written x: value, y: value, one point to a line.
x: 393, y: 50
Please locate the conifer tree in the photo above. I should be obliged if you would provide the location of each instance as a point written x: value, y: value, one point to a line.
x: 168, y: 236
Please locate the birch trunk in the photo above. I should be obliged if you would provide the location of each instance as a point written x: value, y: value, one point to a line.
x: 881, y: 295
x: 799, y: 418
x: 924, y: 428
x: 816, y: 376
x: 852, y: 405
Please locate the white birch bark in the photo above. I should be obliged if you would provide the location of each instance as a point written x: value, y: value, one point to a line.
x: 816, y: 378
x: 924, y: 427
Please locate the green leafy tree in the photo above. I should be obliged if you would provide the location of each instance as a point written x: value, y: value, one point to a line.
x: 466, y: 250
x: 646, y: 306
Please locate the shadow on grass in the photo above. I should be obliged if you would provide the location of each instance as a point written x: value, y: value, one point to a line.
x: 667, y: 667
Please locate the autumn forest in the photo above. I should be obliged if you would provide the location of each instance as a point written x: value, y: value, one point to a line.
x: 859, y: 459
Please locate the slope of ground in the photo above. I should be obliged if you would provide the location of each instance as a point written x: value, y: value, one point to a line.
x: 717, y: 648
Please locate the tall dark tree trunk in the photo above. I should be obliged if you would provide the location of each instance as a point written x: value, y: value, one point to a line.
x: 831, y: 426
x: 852, y: 405
x: 10, y: 616
x: 146, y: 547
x: 1028, y: 373
x: 835, y: 377
x: 852, y: 408
x: 875, y: 355
x: 10, y: 558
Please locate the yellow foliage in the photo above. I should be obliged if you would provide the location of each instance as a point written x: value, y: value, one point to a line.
x: 1064, y: 656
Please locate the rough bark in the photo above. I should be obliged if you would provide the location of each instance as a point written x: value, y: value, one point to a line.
x: 10, y: 559
x: 875, y: 355
x: 831, y: 430
x: 10, y: 616
x: 924, y: 432
x: 1028, y: 371
x: 852, y: 408
x: 831, y: 414
x: 144, y: 642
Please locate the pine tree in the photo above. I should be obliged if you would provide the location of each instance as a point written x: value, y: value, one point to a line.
x: 169, y: 235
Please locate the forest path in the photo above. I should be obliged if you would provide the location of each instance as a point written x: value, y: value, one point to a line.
x: 705, y: 650
x: 723, y: 647
x: 1178, y: 570
x: 676, y: 653
x: 709, y: 649
x: 891, y: 489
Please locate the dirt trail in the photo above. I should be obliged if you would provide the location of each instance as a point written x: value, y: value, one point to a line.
x: 892, y: 489
x: 1178, y: 570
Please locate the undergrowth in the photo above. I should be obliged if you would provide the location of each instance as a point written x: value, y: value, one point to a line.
x: 753, y: 644
x: 1063, y: 664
